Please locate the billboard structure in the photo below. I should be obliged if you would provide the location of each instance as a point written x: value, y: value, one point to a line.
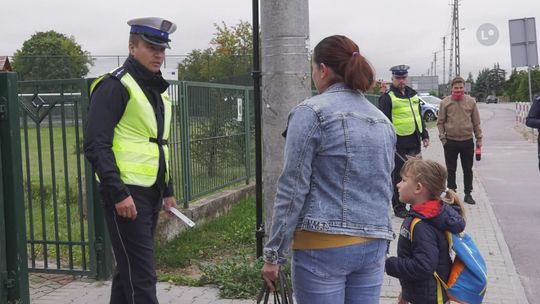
x: 523, y: 46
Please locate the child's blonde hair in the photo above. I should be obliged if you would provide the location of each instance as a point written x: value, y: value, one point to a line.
x: 432, y: 175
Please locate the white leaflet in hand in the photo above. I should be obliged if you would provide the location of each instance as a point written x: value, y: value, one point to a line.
x: 181, y: 216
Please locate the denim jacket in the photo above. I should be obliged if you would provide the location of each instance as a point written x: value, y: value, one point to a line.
x: 336, y: 178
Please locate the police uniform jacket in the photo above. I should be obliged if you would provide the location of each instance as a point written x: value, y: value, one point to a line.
x: 385, y: 105
x: 426, y: 253
x: 107, y: 105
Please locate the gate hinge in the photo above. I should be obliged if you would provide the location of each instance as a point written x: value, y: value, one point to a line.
x: 3, y: 108
x: 7, y: 282
x: 98, y: 245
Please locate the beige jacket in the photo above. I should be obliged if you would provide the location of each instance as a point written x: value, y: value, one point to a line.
x: 459, y: 119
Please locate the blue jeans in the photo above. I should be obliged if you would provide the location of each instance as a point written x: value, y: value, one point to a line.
x: 350, y: 275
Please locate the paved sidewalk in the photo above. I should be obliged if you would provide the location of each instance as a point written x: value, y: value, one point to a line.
x: 504, y: 284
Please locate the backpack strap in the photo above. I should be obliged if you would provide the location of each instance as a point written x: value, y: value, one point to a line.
x: 440, y: 283
x: 414, y: 221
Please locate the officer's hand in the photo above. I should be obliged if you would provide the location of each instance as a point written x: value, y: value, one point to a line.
x: 169, y: 202
x: 126, y: 208
x: 425, y: 141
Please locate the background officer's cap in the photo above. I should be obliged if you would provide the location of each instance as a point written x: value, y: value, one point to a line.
x: 153, y: 30
x: 400, y: 70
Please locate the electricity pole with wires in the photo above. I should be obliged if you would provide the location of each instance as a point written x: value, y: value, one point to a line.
x: 456, y: 36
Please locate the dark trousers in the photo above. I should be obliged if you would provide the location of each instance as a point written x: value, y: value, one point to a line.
x: 399, y: 161
x: 134, y: 279
x: 465, y: 150
x: 538, y: 141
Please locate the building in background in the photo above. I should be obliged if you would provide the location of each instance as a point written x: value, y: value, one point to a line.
x: 425, y: 84
x: 5, y: 66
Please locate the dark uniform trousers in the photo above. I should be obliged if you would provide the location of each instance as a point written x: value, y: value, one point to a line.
x: 134, y: 279
x: 399, y: 160
x: 465, y: 151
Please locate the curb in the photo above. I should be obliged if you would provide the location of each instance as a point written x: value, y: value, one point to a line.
x: 517, y: 286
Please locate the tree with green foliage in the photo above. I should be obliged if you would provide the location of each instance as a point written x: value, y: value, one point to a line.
x: 517, y: 86
x: 228, y: 60
x: 490, y: 82
x: 496, y: 80
x: 217, y: 131
x: 482, y: 86
x: 51, y: 55
x: 511, y: 86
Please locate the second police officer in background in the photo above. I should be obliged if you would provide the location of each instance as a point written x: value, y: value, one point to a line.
x: 402, y: 106
x: 126, y: 142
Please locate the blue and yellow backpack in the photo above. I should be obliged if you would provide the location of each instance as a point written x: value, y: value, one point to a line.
x: 467, y: 281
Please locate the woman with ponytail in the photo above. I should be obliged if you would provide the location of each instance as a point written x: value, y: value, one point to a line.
x: 332, y: 201
x: 423, y: 185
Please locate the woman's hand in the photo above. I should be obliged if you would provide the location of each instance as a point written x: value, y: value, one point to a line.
x: 270, y: 274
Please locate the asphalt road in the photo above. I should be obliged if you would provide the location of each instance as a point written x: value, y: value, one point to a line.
x: 509, y: 173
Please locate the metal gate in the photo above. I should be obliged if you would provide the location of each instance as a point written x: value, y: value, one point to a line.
x: 59, y: 189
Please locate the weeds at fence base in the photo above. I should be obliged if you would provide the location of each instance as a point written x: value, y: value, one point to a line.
x: 220, y: 253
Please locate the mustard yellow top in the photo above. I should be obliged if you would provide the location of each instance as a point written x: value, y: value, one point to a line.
x: 305, y: 240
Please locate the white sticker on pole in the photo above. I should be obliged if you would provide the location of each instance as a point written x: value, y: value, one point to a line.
x: 240, y: 109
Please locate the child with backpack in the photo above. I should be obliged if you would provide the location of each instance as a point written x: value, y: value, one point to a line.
x: 436, y: 210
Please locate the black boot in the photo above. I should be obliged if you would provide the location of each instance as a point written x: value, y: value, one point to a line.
x: 468, y: 199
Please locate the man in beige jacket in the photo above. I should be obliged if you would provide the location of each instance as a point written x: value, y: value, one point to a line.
x: 458, y: 120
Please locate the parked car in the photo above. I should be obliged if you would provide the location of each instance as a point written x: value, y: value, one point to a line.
x: 429, y: 106
x: 492, y: 99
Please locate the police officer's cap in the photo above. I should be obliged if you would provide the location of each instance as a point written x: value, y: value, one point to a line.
x: 153, y: 30
x: 400, y: 70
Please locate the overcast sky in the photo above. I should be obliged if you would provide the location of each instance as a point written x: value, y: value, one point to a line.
x: 387, y: 32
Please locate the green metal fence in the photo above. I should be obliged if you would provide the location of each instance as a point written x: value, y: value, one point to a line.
x: 212, y: 142
x: 59, y: 215
x: 210, y: 150
x: 374, y: 99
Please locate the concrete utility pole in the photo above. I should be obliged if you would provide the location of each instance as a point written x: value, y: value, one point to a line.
x: 434, y: 63
x: 443, y: 59
x: 286, y: 82
x: 450, y: 66
x: 456, y: 36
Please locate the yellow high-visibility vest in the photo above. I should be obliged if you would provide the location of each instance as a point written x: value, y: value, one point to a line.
x: 405, y: 113
x: 135, y: 144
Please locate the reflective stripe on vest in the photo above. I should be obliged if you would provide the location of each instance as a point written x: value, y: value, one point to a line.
x: 404, y: 114
x: 136, y: 157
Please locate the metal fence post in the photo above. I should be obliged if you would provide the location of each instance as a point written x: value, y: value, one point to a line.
x: 184, y: 131
x: 99, y: 241
x: 3, y: 267
x: 247, y: 131
x: 16, y: 258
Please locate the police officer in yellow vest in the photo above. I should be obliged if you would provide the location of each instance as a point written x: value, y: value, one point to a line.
x: 402, y: 106
x: 126, y: 141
